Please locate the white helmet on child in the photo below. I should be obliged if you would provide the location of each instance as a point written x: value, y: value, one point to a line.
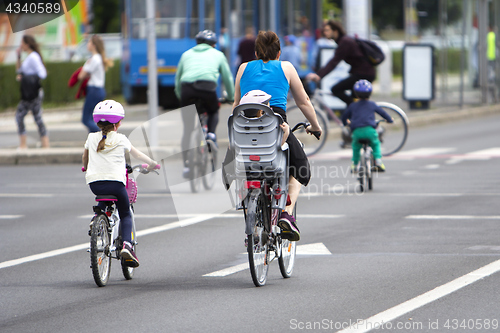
x: 255, y: 97
x: 108, y: 110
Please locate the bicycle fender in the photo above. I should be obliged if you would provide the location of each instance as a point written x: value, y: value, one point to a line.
x: 251, y: 211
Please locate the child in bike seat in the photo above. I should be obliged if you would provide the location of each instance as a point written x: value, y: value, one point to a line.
x: 361, y: 117
x: 105, y: 165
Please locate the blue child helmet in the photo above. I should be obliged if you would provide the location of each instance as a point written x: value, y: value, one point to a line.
x: 363, y: 88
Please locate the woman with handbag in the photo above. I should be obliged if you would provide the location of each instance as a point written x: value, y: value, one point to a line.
x: 30, y: 72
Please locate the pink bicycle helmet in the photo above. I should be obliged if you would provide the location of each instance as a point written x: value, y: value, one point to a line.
x: 108, y: 110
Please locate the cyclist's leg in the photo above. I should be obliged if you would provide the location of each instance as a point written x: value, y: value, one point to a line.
x: 188, y: 119
x: 340, y: 88
x: 117, y: 189
x: 375, y: 144
x: 211, y: 105
x: 356, y: 146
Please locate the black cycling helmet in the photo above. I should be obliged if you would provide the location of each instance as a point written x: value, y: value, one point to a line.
x: 206, y: 36
x: 363, y: 88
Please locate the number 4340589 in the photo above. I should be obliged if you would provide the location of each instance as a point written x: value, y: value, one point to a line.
x: 33, y: 8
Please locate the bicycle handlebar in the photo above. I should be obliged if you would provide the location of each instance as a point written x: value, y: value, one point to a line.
x: 142, y: 168
x: 317, y: 134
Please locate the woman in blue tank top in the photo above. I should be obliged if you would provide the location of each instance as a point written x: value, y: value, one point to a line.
x: 276, y: 77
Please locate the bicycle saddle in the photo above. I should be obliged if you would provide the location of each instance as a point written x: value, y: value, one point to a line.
x: 106, y: 198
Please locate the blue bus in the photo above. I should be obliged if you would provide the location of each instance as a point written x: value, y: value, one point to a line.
x: 178, y: 21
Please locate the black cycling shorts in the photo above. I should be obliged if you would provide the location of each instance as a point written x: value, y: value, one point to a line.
x: 299, y: 164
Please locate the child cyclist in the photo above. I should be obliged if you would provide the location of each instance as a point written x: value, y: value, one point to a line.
x: 361, y: 117
x: 104, y: 161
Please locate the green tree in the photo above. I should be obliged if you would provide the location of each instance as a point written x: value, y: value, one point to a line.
x: 106, y: 16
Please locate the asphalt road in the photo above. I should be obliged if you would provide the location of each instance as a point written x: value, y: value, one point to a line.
x: 396, y: 259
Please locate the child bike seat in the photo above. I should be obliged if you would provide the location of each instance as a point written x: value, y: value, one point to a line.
x: 256, y: 142
x: 106, y: 198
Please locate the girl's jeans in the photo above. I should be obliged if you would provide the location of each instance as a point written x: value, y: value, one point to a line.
x: 94, y: 95
x: 117, y: 189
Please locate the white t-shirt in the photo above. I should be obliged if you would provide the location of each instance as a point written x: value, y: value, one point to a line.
x: 109, y: 163
x: 95, y: 67
x: 33, y: 65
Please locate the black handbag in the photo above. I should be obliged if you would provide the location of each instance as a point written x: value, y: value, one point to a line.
x: 30, y: 87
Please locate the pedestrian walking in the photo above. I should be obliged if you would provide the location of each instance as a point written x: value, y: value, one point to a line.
x: 29, y: 73
x: 94, y: 69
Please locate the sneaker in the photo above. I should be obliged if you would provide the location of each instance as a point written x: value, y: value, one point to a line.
x: 379, y: 166
x: 289, y: 227
x: 185, y: 173
x: 354, y: 168
x: 128, y: 255
x: 212, y: 137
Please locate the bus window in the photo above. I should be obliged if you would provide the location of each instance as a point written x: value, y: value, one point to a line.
x: 170, y: 19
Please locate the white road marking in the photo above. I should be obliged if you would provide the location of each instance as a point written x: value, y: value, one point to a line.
x: 26, y: 195
x: 480, y: 155
x: 420, y: 152
x: 397, y: 311
x: 9, y: 217
x: 169, y: 226
x: 45, y: 255
x: 453, y: 217
x: 316, y: 249
x: 432, y: 166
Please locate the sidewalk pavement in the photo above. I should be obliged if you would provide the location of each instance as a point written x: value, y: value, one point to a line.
x: 67, y: 134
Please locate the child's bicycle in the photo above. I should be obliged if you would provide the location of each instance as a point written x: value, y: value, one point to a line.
x: 261, y: 188
x: 392, y: 138
x: 105, y: 234
x: 366, y: 165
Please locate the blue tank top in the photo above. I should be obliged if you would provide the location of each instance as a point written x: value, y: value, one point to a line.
x: 268, y: 77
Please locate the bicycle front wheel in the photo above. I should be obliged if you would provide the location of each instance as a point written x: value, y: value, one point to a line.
x: 257, y: 242
x: 392, y: 136
x: 100, y: 242
x: 209, y: 164
x: 311, y: 144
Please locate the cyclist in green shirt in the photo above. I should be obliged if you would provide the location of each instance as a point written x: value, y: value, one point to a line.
x: 196, y: 81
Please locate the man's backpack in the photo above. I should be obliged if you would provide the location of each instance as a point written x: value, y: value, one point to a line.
x: 372, y: 52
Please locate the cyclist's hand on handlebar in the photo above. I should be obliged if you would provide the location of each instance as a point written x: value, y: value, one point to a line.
x: 316, y: 131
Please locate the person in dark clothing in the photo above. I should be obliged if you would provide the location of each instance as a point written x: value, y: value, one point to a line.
x: 246, y: 48
x: 349, y: 51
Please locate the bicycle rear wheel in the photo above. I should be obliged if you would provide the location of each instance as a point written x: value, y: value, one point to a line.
x: 209, y: 164
x: 194, y: 160
x: 100, y: 242
x: 311, y: 144
x: 363, y: 174
x: 288, y: 250
x: 257, y: 241
x: 392, y: 136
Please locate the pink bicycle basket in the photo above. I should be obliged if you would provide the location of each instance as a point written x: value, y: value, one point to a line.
x: 131, y: 189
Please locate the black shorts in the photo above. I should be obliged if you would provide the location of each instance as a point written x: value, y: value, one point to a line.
x: 299, y: 164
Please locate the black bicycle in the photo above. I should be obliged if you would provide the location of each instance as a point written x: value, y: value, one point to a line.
x: 202, y: 159
x: 261, y: 173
